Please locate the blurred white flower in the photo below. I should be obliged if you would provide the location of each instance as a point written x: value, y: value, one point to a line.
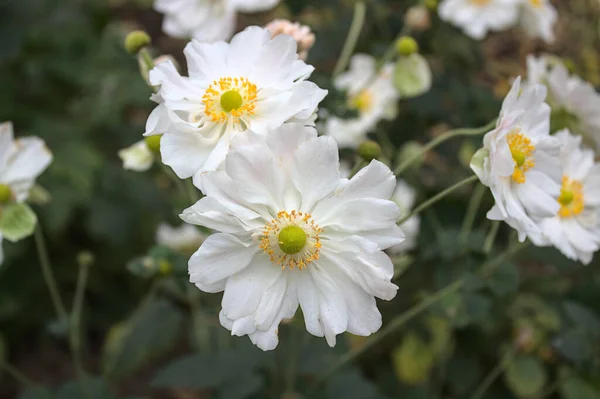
x: 575, y: 228
x: 520, y: 162
x: 538, y: 18
x: 21, y: 162
x: 372, y: 96
x: 255, y: 83
x: 137, y: 157
x: 404, y: 196
x: 477, y: 17
x: 185, y: 238
x: 293, y: 233
x: 301, y: 34
x: 206, y: 20
x: 412, y: 75
x: 574, y: 102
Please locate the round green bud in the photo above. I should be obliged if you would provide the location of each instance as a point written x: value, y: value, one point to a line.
x: 153, y: 143
x: 165, y: 267
x: 85, y: 258
x: 431, y: 4
x: 369, y: 150
x: 292, y: 239
x: 406, y: 45
x: 231, y: 100
x: 136, y: 40
x: 6, y: 194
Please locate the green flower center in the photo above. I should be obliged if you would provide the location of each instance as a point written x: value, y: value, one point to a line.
x: 519, y: 157
x: 566, y: 197
x: 153, y: 143
x: 292, y: 239
x: 231, y: 100
x: 5, y: 194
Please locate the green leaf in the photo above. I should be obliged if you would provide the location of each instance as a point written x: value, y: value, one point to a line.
x: 351, y: 385
x: 148, y: 333
x: 504, y: 280
x: 17, y: 221
x: 36, y: 393
x: 243, y: 387
x: 577, y: 388
x: 525, y: 376
x: 93, y: 388
x: 413, y: 359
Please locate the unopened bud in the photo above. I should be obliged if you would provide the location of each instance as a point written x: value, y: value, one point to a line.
x: 302, y: 34
x: 136, y: 40
x: 6, y: 194
x: 85, y: 258
x: 431, y: 4
x: 418, y: 18
x: 369, y: 150
x: 406, y: 45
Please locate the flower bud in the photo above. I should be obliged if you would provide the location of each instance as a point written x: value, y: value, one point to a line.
x: 369, y: 150
x: 85, y: 258
x: 302, y: 34
x: 136, y: 40
x: 418, y: 18
x: 406, y: 45
x: 6, y: 194
x: 431, y: 4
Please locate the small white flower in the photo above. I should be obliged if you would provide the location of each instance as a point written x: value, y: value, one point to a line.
x: 182, y: 238
x: 538, y: 18
x: 404, y: 196
x: 477, y: 17
x: 372, y: 96
x: 255, y: 83
x: 575, y: 228
x: 293, y: 233
x: 575, y: 102
x: 137, y: 157
x: 520, y: 161
x: 206, y: 20
x: 301, y: 34
x: 412, y: 75
x: 21, y: 162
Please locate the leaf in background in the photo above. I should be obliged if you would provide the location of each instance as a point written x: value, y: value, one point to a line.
x: 413, y: 359
x: 94, y: 388
x: 525, y: 376
x: 577, y: 388
x: 352, y: 385
x: 36, y: 393
x: 148, y: 333
x: 17, y: 221
x: 504, y: 280
x: 242, y: 387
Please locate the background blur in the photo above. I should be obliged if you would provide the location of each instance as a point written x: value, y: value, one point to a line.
x: 64, y: 76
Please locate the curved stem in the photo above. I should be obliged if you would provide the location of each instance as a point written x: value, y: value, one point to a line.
x: 437, y: 197
x: 59, y: 306
x: 75, y: 330
x: 440, y: 139
x: 491, y: 237
x: 474, y: 203
x: 360, y: 10
x: 17, y: 375
x: 491, y: 377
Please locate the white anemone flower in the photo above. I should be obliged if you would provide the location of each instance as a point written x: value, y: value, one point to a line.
x: 404, y: 196
x: 538, y: 18
x: 520, y: 161
x: 293, y: 233
x: 477, y: 17
x: 575, y: 102
x: 255, y: 83
x: 137, y: 157
x: 575, y: 228
x: 372, y: 95
x: 206, y: 20
x: 21, y: 162
x: 181, y: 238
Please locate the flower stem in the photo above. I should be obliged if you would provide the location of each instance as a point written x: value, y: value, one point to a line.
x: 59, y: 306
x: 491, y: 237
x: 360, y: 10
x: 17, y: 375
x: 437, y: 197
x: 75, y: 330
x: 440, y: 139
x: 474, y: 203
x: 495, y: 373
x: 200, y: 326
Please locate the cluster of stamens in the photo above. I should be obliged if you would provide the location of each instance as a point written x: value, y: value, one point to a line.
x: 521, y: 150
x: 571, y: 198
x: 362, y: 102
x: 229, y: 97
x: 291, y: 240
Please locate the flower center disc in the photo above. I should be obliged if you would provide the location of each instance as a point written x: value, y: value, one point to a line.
x: 292, y: 239
x: 571, y: 198
x: 521, y: 150
x: 231, y: 100
x: 362, y: 101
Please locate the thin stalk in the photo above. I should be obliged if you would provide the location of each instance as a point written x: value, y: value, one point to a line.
x: 359, y: 165
x: 440, y: 139
x: 75, y: 326
x: 200, y: 327
x: 290, y: 380
x: 59, y: 305
x: 17, y: 375
x: 360, y: 10
x: 437, y: 197
x: 493, y: 375
x: 472, y: 209
x: 491, y: 237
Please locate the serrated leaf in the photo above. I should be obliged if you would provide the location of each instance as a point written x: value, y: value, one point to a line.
x: 17, y: 221
x: 525, y: 376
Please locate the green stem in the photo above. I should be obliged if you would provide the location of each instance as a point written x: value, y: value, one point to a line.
x: 360, y: 10
x: 491, y: 237
x: 17, y: 375
x: 495, y: 373
x: 440, y: 139
x: 59, y: 305
x: 437, y: 197
x: 290, y: 380
x: 75, y: 327
x: 472, y: 209
x: 357, y: 167
x: 200, y: 327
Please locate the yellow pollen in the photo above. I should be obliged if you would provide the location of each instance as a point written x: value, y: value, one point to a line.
x: 229, y: 99
x: 536, y: 3
x: 480, y: 2
x: 521, y: 150
x: 571, y: 198
x: 362, y: 102
x: 291, y: 240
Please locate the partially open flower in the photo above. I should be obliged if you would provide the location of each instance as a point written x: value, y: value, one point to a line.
x: 301, y: 34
